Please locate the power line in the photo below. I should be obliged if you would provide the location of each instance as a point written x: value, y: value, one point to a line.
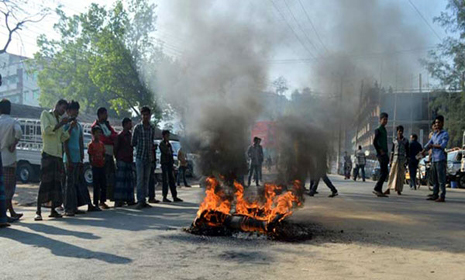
x: 300, y: 27
x: 310, y: 60
x: 424, y: 19
x: 292, y: 29
x: 313, y: 26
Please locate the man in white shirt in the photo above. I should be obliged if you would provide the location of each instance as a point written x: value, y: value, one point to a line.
x: 10, y: 134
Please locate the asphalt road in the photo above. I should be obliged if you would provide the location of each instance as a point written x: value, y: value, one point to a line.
x: 356, y: 236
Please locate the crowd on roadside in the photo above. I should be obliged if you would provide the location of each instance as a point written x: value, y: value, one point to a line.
x: 404, y: 154
x: 111, y: 156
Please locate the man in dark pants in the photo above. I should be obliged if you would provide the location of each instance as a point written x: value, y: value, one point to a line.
x: 255, y: 155
x: 438, y: 144
x: 329, y: 184
x: 167, y: 162
x: 381, y: 146
x: 414, y: 148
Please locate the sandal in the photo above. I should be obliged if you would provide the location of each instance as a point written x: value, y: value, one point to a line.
x: 55, y: 215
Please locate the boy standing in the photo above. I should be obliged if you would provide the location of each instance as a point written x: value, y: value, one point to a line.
x: 96, y: 151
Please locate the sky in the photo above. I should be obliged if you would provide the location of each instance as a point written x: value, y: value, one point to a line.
x: 312, y: 29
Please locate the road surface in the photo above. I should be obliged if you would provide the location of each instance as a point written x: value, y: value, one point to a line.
x: 357, y: 236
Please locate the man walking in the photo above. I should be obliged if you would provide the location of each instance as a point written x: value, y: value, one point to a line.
x: 167, y: 162
x: 76, y: 192
x: 143, y: 140
x: 10, y: 134
x: 108, y: 139
x: 381, y: 147
x: 414, y: 148
x: 255, y: 156
x: 53, y: 137
x: 438, y: 144
x: 124, y: 188
x: 360, y: 162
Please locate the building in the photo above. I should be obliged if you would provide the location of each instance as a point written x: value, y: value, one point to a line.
x: 18, y: 86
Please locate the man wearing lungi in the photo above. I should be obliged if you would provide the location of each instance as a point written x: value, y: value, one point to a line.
x: 53, y: 137
x: 108, y: 139
x: 10, y: 134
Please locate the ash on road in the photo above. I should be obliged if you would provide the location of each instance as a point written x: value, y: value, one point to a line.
x: 357, y: 236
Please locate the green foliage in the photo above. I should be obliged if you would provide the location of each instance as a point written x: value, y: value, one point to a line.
x: 99, y: 58
x: 447, y: 65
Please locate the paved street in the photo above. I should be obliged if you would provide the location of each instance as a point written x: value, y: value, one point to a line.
x: 357, y: 236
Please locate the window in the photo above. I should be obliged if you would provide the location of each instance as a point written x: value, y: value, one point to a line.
x: 25, y: 95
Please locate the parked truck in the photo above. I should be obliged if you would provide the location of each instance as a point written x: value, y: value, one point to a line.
x: 29, y: 150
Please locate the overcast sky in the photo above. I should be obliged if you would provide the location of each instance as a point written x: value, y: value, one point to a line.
x: 303, y: 42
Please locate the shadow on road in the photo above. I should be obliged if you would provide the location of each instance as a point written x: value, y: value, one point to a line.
x: 59, y: 248
x: 58, y: 231
x: 158, y: 217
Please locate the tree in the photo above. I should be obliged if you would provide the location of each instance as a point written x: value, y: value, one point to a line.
x: 16, y: 17
x: 447, y: 65
x: 281, y: 85
x: 99, y: 58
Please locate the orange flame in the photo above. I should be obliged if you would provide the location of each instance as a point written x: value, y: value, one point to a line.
x: 275, y: 204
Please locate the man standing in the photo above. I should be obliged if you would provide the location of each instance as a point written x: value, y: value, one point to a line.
x: 361, y: 160
x: 124, y: 188
x: 10, y: 134
x: 53, y: 136
x: 143, y: 140
x: 255, y: 156
x: 438, y: 144
x: 381, y: 147
x: 76, y: 192
x: 415, y: 148
x: 108, y: 138
x: 167, y: 162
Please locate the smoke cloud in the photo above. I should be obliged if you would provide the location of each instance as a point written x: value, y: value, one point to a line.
x: 215, y: 83
x: 368, y: 41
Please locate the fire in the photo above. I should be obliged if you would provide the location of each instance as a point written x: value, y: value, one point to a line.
x: 275, y: 205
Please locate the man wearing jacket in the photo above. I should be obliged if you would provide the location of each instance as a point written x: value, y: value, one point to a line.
x: 381, y: 146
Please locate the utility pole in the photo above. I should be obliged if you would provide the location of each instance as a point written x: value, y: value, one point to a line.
x: 340, y: 128
x: 358, y: 119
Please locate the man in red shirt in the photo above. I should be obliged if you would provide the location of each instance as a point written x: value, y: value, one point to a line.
x: 124, y: 186
x: 96, y: 151
x: 108, y: 139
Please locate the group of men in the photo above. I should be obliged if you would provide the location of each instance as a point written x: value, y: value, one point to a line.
x: 61, y: 180
x: 405, y: 153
